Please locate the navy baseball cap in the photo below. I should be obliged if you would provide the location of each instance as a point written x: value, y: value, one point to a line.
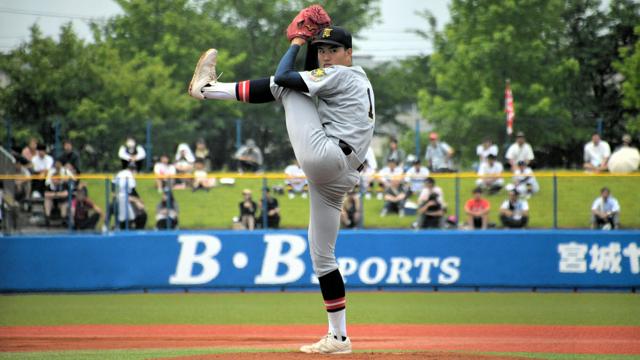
x: 333, y: 35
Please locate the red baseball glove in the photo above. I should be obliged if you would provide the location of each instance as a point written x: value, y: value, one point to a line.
x: 308, y: 23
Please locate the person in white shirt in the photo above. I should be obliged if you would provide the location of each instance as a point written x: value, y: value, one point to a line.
x: 626, y: 158
x: 386, y: 174
x: 164, y: 172
x: 296, y: 181
x: 524, y: 181
x: 125, y: 182
x: 596, y: 154
x: 519, y: 151
x: 605, y: 211
x: 415, y: 177
x: 439, y: 155
x: 490, y: 174
x: 56, y: 194
x: 131, y: 152
x: 429, y: 188
x: 40, y: 166
x: 485, y: 149
x: 514, y: 212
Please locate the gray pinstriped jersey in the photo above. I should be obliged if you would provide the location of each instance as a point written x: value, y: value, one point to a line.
x: 346, y: 104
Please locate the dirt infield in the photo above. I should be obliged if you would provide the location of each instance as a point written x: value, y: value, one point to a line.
x: 436, y: 339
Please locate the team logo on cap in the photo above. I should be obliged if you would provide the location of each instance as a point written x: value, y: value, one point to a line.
x: 326, y: 32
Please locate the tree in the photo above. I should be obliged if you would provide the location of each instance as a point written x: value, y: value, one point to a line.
x: 629, y: 67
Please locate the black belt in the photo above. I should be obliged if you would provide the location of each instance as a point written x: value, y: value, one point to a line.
x: 346, y: 149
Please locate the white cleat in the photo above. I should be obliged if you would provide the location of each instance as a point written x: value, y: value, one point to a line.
x: 204, y: 73
x: 328, y: 345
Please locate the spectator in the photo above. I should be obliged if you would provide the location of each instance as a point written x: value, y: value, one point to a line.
x: 429, y: 188
x: 40, y: 166
x: 394, y: 153
x: 23, y: 186
x: 626, y: 158
x: 202, y: 153
x: 130, y: 211
x: 273, y: 211
x: 490, y: 173
x: 439, y: 155
x: 605, y: 211
x: 125, y: 181
x: 596, y: 154
x: 485, y: 149
x: 519, y: 151
x: 394, y: 197
x: 201, y: 180
x: 351, y: 210
x: 132, y: 153
x: 84, y: 212
x: 249, y: 157
x: 415, y: 176
x: 167, y: 211
x: 184, y: 159
x: 70, y: 156
x: 296, y: 181
x: 165, y: 173
x: 368, y: 179
x: 371, y: 159
x: 248, y: 209
x: 388, y: 173
x: 524, y: 181
x: 514, y: 212
x: 30, y: 150
x: 431, y: 212
x: 477, y: 210
x: 56, y: 194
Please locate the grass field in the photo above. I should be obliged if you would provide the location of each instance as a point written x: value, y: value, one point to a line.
x: 215, y: 209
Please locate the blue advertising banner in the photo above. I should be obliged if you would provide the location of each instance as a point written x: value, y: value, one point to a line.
x: 239, y: 259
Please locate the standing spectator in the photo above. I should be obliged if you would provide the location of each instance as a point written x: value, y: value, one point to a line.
x: 40, y: 166
x: 70, y: 156
x: 84, y: 212
x: 132, y: 153
x: 273, y: 211
x: 524, y: 181
x: 394, y: 153
x: 386, y: 175
x: 519, y: 151
x: 477, y: 210
x: 125, y: 181
x: 485, y: 149
x: 439, y: 155
x: 415, y: 176
x: 351, y: 210
x: 165, y: 173
x: 296, y: 181
x: 30, y: 150
x: 394, y: 197
x: 514, y: 212
x: 431, y: 212
x: 596, y: 154
x: 605, y: 211
x: 201, y: 180
x: 248, y: 209
x: 249, y: 157
x: 202, y: 153
x: 626, y: 158
x: 167, y: 211
x: 490, y: 173
x: 56, y: 194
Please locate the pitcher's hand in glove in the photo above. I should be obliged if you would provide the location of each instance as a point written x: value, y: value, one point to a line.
x: 308, y: 23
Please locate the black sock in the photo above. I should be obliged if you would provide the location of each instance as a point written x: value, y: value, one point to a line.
x: 333, y: 293
x: 254, y: 91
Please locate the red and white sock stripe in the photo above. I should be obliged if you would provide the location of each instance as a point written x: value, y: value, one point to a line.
x: 335, y: 303
x: 243, y: 91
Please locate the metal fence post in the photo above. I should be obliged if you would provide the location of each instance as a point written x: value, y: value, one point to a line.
x: 363, y: 194
x: 57, y: 149
x: 70, y: 187
x: 169, y: 222
x: 126, y: 203
x: 555, y: 201
x: 457, y: 198
x: 265, y: 207
x: 107, y: 215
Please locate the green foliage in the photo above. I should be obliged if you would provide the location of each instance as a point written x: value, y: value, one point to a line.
x: 629, y: 67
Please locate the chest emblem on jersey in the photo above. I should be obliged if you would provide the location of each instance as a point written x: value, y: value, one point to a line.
x: 317, y: 74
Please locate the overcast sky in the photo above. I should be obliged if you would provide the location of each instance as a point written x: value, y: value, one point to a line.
x: 384, y: 40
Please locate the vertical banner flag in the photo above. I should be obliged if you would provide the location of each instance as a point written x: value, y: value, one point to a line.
x: 509, y: 109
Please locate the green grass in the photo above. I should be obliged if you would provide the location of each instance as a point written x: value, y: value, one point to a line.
x: 216, y: 208
x: 306, y: 308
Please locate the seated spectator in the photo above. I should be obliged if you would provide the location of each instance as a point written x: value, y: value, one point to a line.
x: 351, y: 210
x: 519, y: 151
x: 439, y: 155
x: 132, y: 153
x: 164, y: 172
x: 626, y: 158
x: 70, y: 157
x: 23, y: 186
x: 201, y: 180
x: 429, y: 188
x: 431, y: 212
x: 415, y: 177
x: 596, y: 154
x: 56, y: 194
x: 125, y: 181
x: 249, y: 157
x: 485, y: 149
x: 524, y: 181
x: 248, y: 210
x: 184, y: 159
x: 477, y: 210
x: 514, y: 212
x: 605, y: 211
x: 394, y: 197
x: 40, y: 166
x: 296, y: 181
x: 84, y: 212
x: 386, y: 174
x: 167, y: 212
x: 129, y: 211
x: 490, y: 173
x: 202, y: 153
x: 30, y: 150
x: 273, y: 211
x: 394, y: 153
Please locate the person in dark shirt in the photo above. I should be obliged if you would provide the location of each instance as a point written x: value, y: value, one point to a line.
x: 70, y: 156
x: 273, y: 211
x: 84, y: 212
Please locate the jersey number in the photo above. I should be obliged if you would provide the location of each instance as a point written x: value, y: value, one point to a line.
x: 370, y: 104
